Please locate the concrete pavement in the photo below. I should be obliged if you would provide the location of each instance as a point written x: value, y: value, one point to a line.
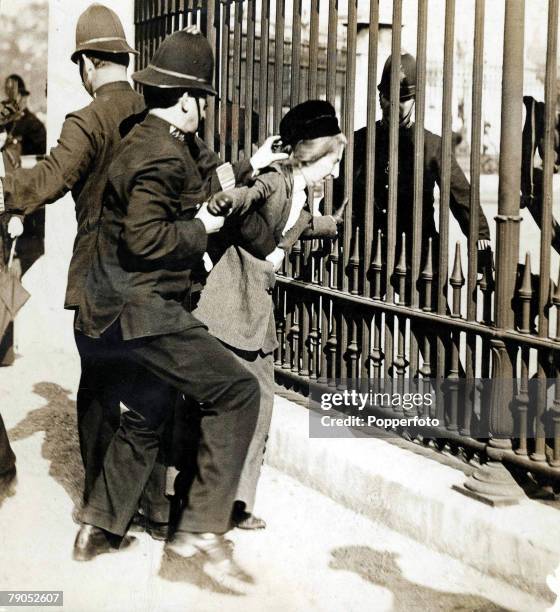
x: 314, y: 555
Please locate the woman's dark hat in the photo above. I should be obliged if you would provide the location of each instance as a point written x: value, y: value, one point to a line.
x: 183, y: 60
x: 309, y: 120
x: 100, y: 29
x: 407, y: 78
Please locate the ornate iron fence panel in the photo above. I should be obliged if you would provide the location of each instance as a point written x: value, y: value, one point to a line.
x: 377, y: 304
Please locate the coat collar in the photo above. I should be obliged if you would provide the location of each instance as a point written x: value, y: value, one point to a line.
x: 112, y: 87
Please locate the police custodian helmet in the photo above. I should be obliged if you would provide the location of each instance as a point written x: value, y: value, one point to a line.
x: 407, y: 76
x: 183, y: 60
x: 100, y: 29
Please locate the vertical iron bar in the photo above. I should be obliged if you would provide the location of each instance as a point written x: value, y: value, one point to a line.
x: 331, y: 49
x: 550, y: 95
x: 368, y: 221
x: 349, y: 131
x: 278, y: 63
x: 445, y: 187
x: 211, y: 34
x: 476, y: 143
x: 236, y: 83
x: 421, y: 45
x: 263, y: 73
x: 393, y: 179
x: 224, y: 76
x: 419, y: 148
x: 313, y: 48
x: 296, y: 54
x: 393, y: 147
x: 249, y: 76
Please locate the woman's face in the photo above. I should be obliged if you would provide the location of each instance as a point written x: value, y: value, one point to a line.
x: 328, y: 165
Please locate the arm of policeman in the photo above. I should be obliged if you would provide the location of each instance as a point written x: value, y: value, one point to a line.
x: 51, y: 178
x: 151, y: 230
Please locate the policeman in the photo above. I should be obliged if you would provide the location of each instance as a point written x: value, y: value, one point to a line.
x: 26, y: 131
x: 132, y: 306
x: 80, y: 163
x: 460, y: 188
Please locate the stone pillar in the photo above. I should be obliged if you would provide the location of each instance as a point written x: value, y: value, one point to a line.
x: 43, y: 322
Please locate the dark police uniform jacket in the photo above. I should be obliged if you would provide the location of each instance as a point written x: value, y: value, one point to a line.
x: 29, y: 133
x: 460, y: 188
x: 148, y: 240
x: 79, y: 163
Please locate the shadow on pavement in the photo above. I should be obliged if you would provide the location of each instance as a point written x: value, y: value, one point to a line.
x: 60, y: 446
x: 381, y: 568
x: 179, y: 569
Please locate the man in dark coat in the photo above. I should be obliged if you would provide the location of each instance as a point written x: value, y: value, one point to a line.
x: 149, y: 240
x: 26, y: 130
x: 26, y: 135
x: 460, y: 188
x: 459, y: 201
x: 79, y: 163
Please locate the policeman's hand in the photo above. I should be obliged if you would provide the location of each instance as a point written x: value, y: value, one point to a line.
x: 338, y: 214
x: 192, y: 29
x: 276, y: 258
x: 268, y: 153
x: 485, y: 257
x: 212, y: 223
x: 220, y: 204
x: 15, y: 227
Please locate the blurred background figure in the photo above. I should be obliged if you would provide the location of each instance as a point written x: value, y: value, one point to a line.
x: 26, y: 131
x: 24, y: 135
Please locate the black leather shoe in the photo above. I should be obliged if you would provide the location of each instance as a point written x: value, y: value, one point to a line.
x: 92, y: 541
x: 158, y: 531
x: 140, y: 523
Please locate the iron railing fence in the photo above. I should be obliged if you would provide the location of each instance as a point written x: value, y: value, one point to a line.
x: 375, y: 304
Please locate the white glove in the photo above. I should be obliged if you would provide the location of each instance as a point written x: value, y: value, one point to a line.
x: 212, y: 223
x: 264, y: 156
x: 276, y: 258
x: 15, y: 227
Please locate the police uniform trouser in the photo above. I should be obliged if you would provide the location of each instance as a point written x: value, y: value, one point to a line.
x: 7, y: 457
x: 196, y: 364
x: 105, y: 382
x: 187, y: 428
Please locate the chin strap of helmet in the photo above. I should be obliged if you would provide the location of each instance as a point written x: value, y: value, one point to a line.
x: 406, y: 121
x: 197, y: 100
